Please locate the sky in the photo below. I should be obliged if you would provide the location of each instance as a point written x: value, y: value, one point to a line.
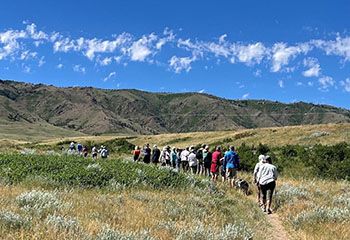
x: 286, y: 51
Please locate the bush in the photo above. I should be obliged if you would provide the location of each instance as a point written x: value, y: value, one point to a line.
x: 108, y: 173
x: 9, y: 220
x: 38, y: 203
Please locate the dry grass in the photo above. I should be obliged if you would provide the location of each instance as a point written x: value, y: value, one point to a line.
x: 137, y: 210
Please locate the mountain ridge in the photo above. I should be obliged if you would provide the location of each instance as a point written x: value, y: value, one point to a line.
x: 100, y: 111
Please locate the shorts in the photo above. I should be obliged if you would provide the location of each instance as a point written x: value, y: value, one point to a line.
x: 231, y: 173
x: 215, y: 173
x: 270, y: 187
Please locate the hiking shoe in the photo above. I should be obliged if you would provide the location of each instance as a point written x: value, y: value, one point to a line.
x: 263, y: 209
x: 269, y: 211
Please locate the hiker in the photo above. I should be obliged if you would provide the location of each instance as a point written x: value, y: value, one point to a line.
x: 155, y: 155
x: 72, y: 146
x: 167, y: 155
x: 215, y: 164
x: 207, y: 156
x: 267, y: 177
x: 94, y: 152
x: 199, y: 156
x: 192, y: 160
x: 255, y: 176
x: 104, y: 152
x: 164, y: 156
x: 146, y: 151
x: 85, y: 151
x: 136, y: 154
x: 223, y: 169
x: 231, y: 161
x: 173, y: 157
x: 79, y: 147
x: 178, y: 160
x: 184, y: 159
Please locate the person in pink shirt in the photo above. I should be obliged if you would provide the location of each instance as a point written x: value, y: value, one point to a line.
x: 215, y: 164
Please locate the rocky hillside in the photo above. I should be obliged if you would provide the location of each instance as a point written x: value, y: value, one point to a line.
x: 97, y: 111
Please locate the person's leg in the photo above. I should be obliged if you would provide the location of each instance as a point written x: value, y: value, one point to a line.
x: 264, y: 191
x: 258, y: 194
x: 272, y: 186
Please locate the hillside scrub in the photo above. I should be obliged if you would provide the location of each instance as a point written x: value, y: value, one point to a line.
x: 331, y: 162
x: 86, y: 172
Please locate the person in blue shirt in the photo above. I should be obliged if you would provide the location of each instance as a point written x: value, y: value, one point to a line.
x: 231, y: 161
x: 79, y: 147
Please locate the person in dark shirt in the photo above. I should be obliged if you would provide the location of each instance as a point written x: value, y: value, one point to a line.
x: 155, y: 155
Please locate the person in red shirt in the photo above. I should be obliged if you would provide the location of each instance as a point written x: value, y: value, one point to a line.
x: 137, y: 153
x: 215, y: 164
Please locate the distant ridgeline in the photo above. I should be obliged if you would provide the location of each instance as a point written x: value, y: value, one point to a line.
x: 98, y: 111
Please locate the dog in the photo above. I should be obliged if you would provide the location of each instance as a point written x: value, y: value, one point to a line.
x: 243, y: 185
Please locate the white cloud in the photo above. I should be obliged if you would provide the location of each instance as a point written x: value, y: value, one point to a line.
x: 257, y: 73
x: 310, y: 84
x: 202, y: 91
x: 339, y: 47
x: 106, y: 61
x: 314, y: 67
x: 27, y: 69
x: 281, y: 84
x: 281, y: 54
x: 250, y: 54
x: 179, y: 64
x: 170, y: 37
x: 41, y: 61
x: 299, y: 84
x: 326, y: 82
x: 78, y: 68
x: 109, y: 76
x: 59, y: 66
x: 346, y: 85
x: 245, y: 96
x: 141, y: 48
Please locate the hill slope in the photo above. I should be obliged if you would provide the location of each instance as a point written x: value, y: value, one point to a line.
x: 98, y: 111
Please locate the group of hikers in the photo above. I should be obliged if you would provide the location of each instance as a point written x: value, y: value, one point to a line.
x: 201, y: 161
x: 83, y: 150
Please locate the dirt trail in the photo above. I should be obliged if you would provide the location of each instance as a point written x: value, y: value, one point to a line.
x: 278, y: 232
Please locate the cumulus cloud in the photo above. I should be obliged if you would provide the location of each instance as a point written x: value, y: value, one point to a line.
x: 339, y: 47
x: 245, y: 96
x: 182, y: 63
x: 250, y: 54
x: 346, y: 85
x: 314, y: 67
x: 326, y: 82
x: 78, y: 68
x: 202, y: 91
x: 109, y: 76
x: 282, y: 54
x: 59, y: 66
x: 141, y: 48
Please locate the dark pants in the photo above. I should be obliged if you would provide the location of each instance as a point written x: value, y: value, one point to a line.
x: 147, y: 159
x: 268, y: 187
x: 185, y: 166
x: 194, y: 169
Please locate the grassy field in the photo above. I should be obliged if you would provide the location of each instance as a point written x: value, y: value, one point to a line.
x: 309, y: 207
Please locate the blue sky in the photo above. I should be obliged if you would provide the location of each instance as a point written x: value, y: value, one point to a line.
x: 276, y: 50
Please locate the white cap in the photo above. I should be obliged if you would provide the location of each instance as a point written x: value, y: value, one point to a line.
x: 261, y: 158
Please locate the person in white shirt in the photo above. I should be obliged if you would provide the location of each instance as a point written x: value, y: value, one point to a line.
x: 256, y: 171
x: 267, y: 177
x: 184, y: 159
x: 192, y: 160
